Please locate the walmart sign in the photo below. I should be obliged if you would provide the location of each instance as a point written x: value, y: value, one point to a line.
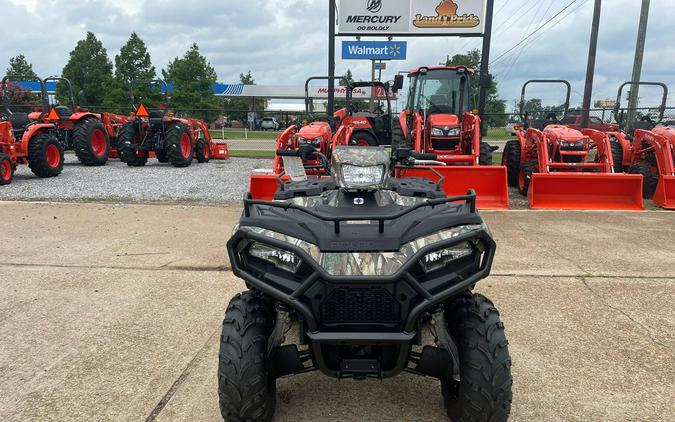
x: 374, y: 50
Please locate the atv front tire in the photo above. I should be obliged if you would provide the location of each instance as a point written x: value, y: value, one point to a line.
x: 246, y: 387
x: 484, y: 390
x: 91, y: 142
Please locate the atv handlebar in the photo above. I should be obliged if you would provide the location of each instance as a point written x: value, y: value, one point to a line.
x: 288, y: 153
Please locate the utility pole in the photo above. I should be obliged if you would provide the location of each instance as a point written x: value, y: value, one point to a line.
x: 590, y: 68
x: 330, y: 106
x: 637, y: 63
x: 484, y: 63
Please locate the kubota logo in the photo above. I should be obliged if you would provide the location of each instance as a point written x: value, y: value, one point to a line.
x: 374, y: 6
x: 446, y: 17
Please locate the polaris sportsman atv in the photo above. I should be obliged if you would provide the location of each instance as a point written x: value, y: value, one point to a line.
x: 363, y: 266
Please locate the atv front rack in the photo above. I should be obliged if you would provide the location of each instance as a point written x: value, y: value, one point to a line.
x: 469, y: 199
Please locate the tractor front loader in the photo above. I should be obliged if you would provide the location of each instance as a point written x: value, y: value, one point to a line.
x: 558, y: 167
x: 438, y: 121
x: 645, y: 147
x: 28, y: 142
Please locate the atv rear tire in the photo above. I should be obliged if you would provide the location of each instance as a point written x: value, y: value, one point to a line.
x: 91, y: 142
x: 511, y: 159
x: 484, y: 390
x: 178, y: 145
x: 525, y: 176
x: 45, y: 155
x: 485, y: 156
x: 6, y: 169
x: 649, y: 179
x: 246, y: 388
x: 127, y: 149
x: 202, y: 151
x: 363, y: 139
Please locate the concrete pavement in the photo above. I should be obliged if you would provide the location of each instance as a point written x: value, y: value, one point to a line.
x: 112, y: 312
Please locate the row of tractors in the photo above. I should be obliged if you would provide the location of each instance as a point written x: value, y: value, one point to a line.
x: 553, y: 165
x: 39, y: 138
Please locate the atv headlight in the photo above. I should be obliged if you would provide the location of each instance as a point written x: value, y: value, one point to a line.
x: 438, y: 259
x: 280, y: 258
x: 357, y: 176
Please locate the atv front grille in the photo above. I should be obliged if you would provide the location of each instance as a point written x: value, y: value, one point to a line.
x: 348, y: 305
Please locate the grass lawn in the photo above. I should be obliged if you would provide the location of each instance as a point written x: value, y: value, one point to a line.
x: 240, y: 134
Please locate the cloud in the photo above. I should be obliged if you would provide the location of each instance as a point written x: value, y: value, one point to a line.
x: 285, y: 41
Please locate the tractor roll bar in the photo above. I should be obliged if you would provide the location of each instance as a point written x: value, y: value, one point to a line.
x: 324, y: 78
x: 5, y: 97
x: 69, y: 87
x: 523, y: 113
x: 161, y: 82
x: 662, y: 107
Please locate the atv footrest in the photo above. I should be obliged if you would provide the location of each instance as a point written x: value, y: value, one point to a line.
x: 359, y: 368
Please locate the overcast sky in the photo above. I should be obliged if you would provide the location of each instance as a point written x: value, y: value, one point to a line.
x: 284, y: 41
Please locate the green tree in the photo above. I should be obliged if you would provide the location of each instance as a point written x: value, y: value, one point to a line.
x: 19, y: 66
x: 89, y: 70
x: 495, y: 108
x: 192, y: 76
x: 132, y: 63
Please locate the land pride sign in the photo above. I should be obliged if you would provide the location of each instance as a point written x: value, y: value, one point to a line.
x: 411, y: 17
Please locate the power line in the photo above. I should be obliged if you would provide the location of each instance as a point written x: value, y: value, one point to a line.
x: 535, y: 31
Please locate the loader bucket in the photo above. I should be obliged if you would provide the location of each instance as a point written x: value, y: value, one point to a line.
x: 220, y: 151
x: 664, y: 196
x: 586, y: 191
x: 489, y: 182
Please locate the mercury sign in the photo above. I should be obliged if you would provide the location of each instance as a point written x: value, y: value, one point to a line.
x: 374, y: 50
x: 411, y: 17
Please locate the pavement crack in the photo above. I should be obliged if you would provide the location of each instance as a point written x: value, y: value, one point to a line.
x: 622, y: 312
x: 590, y: 276
x: 215, y: 268
x: 181, y: 379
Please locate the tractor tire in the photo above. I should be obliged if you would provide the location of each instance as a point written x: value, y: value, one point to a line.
x: 202, y: 151
x: 617, y: 155
x: 6, y: 169
x: 485, y: 154
x: 246, y: 387
x: 484, y: 390
x: 45, y: 155
x: 649, y: 179
x: 91, y: 142
x: 178, y: 145
x: 363, y: 139
x: 511, y: 159
x: 525, y: 176
x: 398, y: 139
x: 126, y: 149
x: 162, y: 156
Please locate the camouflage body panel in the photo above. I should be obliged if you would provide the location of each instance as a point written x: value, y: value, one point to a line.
x: 330, y: 199
x: 367, y: 264
x: 362, y: 157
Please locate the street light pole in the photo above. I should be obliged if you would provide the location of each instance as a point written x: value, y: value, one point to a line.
x: 637, y: 63
x: 590, y: 69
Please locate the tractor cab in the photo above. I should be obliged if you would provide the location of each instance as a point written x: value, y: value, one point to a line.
x: 438, y: 108
x: 371, y: 120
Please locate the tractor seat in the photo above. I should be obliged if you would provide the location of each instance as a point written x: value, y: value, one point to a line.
x: 439, y: 105
x: 155, y: 116
x: 19, y: 122
x: 63, y: 112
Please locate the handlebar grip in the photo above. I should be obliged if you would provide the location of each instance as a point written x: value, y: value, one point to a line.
x: 424, y: 156
x: 288, y: 153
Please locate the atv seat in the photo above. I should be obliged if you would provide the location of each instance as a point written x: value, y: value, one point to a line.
x: 63, y: 112
x: 19, y: 122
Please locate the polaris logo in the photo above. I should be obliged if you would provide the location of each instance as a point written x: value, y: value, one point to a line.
x: 353, y: 245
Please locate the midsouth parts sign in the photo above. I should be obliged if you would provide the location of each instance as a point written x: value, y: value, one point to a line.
x: 411, y: 17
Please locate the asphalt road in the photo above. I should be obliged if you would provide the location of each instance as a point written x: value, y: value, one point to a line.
x: 112, y: 312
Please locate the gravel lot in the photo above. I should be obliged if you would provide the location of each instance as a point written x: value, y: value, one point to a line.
x: 216, y: 182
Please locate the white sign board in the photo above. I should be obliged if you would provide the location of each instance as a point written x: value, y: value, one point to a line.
x: 411, y: 17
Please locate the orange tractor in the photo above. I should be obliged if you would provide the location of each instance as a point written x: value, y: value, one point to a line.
x: 647, y: 148
x: 558, y: 167
x: 30, y: 142
x: 307, y: 148
x: 438, y: 123
x: 157, y: 132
